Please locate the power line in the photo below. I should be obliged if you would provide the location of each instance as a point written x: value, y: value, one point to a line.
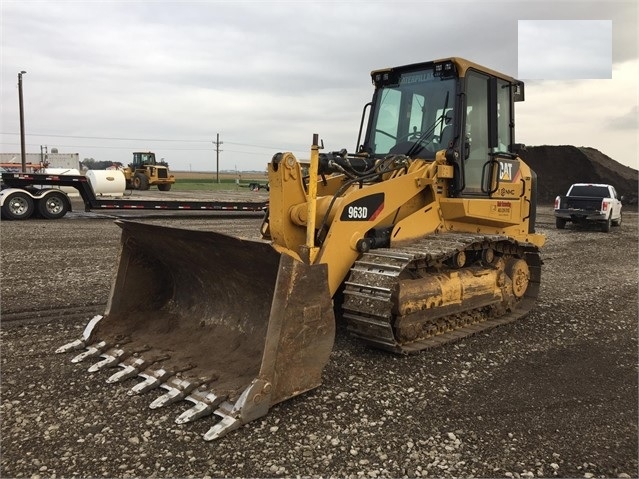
x: 107, y: 138
x: 273, y: 148
x: 128, y: 148
x: 110, y: 147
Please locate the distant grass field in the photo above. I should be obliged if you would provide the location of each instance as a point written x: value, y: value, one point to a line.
x: 207, y: 181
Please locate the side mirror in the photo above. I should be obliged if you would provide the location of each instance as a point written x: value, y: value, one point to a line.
x: 518, y: 148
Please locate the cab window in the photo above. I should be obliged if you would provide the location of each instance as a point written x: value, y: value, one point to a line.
x: 476, y: 132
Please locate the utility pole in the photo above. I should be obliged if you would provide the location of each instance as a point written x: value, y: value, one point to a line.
x: 217, y: 144
x: 22, y: 142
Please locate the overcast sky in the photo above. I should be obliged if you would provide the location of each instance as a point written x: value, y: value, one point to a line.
x: 105, y: 79
x: 564, y: 49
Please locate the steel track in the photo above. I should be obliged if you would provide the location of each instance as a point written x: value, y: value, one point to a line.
x: 368, y: 304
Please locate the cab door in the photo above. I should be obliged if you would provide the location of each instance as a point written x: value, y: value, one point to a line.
x: 486, y: 157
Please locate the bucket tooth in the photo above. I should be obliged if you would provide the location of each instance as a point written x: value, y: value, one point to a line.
x: 222, y: 428
x: 152, y: 380
x: 81, y: 343
x: 204, y: 405
x: 252, y: 404
x: 72, y: 346
x: 225, y: 409
x: 112, y: 358
x: 91, y: 351
x: 132, y: 366
x: 177, y: 389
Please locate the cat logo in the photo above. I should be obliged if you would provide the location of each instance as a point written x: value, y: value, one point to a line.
x: 505, y: 171
x: 509, y: 171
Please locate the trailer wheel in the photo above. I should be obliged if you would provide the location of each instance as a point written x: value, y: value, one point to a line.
x: 17, y: 206
x: 53, y: 206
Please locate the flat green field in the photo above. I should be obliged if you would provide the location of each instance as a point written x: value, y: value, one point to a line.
x: 207, y: 181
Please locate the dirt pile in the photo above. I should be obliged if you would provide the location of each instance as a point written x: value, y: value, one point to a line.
x: 558, y: 167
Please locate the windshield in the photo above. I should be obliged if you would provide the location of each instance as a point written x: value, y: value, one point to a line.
x: 410, y: 116
x: 590, y: 190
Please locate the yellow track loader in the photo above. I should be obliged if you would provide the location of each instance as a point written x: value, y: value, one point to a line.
x: 423, y: 236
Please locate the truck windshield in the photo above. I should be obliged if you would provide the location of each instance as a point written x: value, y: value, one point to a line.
x: 410, y: 115
x: 590, y: 190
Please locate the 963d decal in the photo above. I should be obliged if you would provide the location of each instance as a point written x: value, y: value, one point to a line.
x: 364, y: 209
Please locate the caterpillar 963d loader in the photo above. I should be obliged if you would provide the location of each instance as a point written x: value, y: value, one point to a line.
x: 424, y: 235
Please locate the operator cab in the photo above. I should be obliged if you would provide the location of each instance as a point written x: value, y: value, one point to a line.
x: 454, y: 106
x: 141, y: 159
x: 411, y: 108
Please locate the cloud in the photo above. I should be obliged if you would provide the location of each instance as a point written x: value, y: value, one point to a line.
x: 595, y: 113
x: 625, y: 121
x: 565, y: 49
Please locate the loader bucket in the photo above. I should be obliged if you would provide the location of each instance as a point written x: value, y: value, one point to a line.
x: 229, y: 325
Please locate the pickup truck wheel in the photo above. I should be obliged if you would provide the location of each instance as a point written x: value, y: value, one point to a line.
x: 560, y: 223
x: 53, y: 206
x: 605, y: 226
x: 618, y: 222
x: 17, y: 206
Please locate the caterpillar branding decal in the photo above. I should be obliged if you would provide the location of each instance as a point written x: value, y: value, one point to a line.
x: 509, y: 175
x: 416, y: 77
x: 364, y: 209
x: 509, y: 171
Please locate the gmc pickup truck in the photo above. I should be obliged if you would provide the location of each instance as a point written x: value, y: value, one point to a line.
x: 587, y: 203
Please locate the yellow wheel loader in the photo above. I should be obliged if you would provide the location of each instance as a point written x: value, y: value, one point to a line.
x: 423, y: 236
x: 145, y: 172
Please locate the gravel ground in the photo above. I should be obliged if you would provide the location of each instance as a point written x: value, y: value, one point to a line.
x: 551, y: 395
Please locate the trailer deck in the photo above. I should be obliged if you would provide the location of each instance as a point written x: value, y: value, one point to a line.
x: 27, y: 181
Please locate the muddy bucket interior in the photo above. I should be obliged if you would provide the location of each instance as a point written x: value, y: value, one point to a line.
x: 233, y: 318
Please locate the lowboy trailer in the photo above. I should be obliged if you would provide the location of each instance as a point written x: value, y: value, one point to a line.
x: 24, y: 194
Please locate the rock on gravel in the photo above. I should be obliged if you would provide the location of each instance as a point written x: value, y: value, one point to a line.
x: 552, y: 395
